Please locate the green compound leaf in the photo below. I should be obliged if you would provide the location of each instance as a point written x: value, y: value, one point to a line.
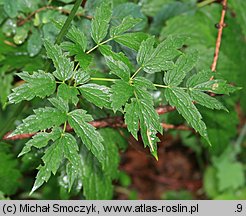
x: 118, y: 68
x: 44, y: 118
x: 206, y: 100
x: 39, y: 84
x: 41, y: 140
x: 96, y: 184
x: 74, y: 166
x: 66, y: 146
x: 142, y: 93
x: 158, y: 59
x: 78, y: 47
x: 78, y: 37
x: 43, y: 176
x: 145, y: 51
x: 80, y: 56
x: 52, y: 158
x: 149, y: 123
x: 131, y: 118
x: 59, y: 103
x: 178, y: 98
x: 68, y: 93
x: 121, y: 92
x: 64, y: 67
x: 81, y: 77
x: 96, y: 94
x: 83, y: 59
x: 150, y: 116
x: 132, y: 40
x: 142, y: 111
x: 149, y: 137
x: 78, y: 120
x: 202, y: 82
x: 106, y: 50
x: 217, y: 87
x: 73, y: 173
x: 70, y: 149
x: 199, y: 78
x: 142, y: 82
x: 100, y: 22
x: 126, y: 24
x: 183, y: 65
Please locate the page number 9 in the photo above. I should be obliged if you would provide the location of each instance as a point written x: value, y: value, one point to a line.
x: 239, y: 208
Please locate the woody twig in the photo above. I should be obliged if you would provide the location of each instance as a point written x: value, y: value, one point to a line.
x: 113, y: 122
x: 220, y: 27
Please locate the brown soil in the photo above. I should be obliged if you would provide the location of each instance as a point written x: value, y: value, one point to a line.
x: 176, y: 169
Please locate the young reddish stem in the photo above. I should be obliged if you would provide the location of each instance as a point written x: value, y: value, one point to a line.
x: 221, y: 25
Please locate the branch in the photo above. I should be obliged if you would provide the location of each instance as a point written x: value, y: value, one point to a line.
x: 113, y: 122
x: 164, y: 109
x: 220, y: 26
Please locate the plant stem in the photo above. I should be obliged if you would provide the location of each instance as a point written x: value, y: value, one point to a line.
x: 219, y: 36
x: 204, y: 3
x: 103, y: 79
x: 68, y: 21
x: 93, y: 48
x: 137, y: 71
x: 76, y: 67
x: 64, y: 127
x: 161, y: 86
x: 88, y: 52
x: 165, y: 86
